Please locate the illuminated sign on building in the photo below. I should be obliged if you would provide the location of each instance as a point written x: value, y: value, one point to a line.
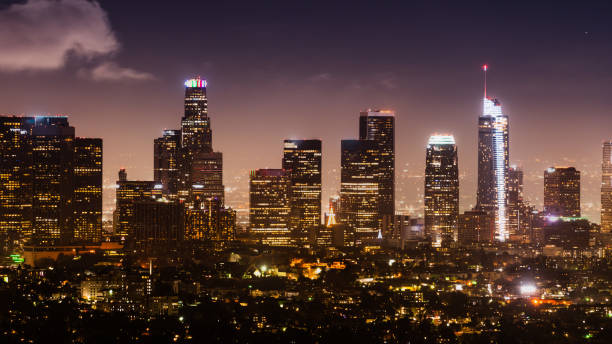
x: 197, y: 82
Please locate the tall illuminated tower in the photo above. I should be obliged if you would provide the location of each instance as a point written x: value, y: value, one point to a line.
x: 53, y: 152
x: 379, y: 126
x: 441, y: 189
x: 269, y: 206
x: 359, y: 193
x: 87, y: 201
x: 493, y: 163
x: 201, y: 176
x: 302, y: 160
x: 15, y: 180
x: 196, y: 131
x: 606, y: 187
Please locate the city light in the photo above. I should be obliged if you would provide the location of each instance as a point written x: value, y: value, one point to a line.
x: 441, y: 140
x: 528, y: 289
x: 197, y: 82
x: 314, y: 217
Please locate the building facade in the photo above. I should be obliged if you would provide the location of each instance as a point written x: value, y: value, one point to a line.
x: 476, y: 226
x: 379, y: 126
x: 441, y: 189
x: 269, y: 206
x: 15, y: 180
x: 562, y: 192
x: 606, y: 188
x: 211, y: 222
x: 515, y: 199
x: 158, y: 227
x: 207, y: 178
x: 302, y: 160
x: 87, y: 214
x: 166, y: 162
x: 50, y: 182
x: 359, y: 194
x: 128, y: 193
x: 493, y: 162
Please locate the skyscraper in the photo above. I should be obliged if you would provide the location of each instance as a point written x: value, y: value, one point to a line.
x: 606, y: 187
x: 15, y: 180
x: 359, y: 194
x: 441, y: 189
x: 196, y: 130
x: 53, y: 153
x: 50, y: 181
x: 379, y: 126
x: 493, y: 161
x: 87, y: 189
x: 188, y: 170
x: 166, y: 162
x: 562, y: 192
x: 200, y: 167
x: 269, y: 206
x: 302, y: 159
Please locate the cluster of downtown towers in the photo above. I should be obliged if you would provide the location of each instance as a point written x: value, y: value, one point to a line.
x: 51, y: 187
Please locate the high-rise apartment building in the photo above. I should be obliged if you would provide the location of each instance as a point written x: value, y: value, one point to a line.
x: 606, y: 188
x: 359, y: 194
x: 493, y: 161
x: 166, y: 162
x: 302, y: 160
x: 269, y: 207
x: 562, y: 192
x: 441, y: 189
x: 87, y: 204
x: 379, y: 126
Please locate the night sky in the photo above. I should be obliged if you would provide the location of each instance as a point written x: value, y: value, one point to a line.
x: 305, y: 70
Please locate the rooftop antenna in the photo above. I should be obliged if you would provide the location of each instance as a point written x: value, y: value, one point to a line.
x: 484, y: 68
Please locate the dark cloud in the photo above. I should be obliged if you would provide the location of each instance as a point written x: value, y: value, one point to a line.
x: 40, y: 35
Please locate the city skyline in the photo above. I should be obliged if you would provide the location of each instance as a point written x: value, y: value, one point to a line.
x: 328, y: 190
x: 276, y: 96
x: 305, y: 172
